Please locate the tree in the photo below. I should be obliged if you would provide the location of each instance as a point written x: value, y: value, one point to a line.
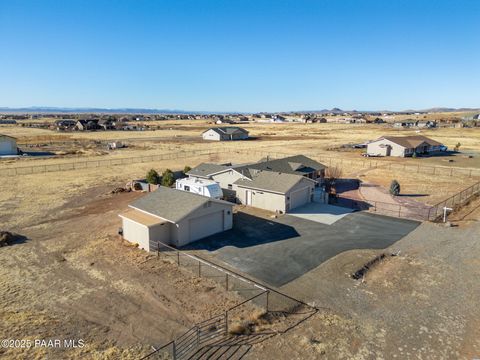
x: 395, y: 188
x: 332, y: 173
x: 153, y: 177
x: 186, y: 169
x: 168, y: 178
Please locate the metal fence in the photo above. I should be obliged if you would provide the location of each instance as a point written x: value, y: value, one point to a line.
x: 219, y: 330
x: 370, y: 163
x: 88, y: 164
x: 422, y: 213
x: 455, y: 201
x: 350, y: 164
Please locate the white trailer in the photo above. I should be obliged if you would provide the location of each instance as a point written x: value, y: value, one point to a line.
x: 203, y: 187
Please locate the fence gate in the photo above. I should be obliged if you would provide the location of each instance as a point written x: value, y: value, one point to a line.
x: 202, y: 334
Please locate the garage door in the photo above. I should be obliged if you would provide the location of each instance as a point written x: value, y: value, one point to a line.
x: 206, y: 225
x: 299, y: 198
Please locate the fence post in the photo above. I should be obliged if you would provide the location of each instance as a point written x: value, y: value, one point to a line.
x: 178, y: 258
x: 226, y: 322
x: 268, y: 293
x: 174, y: 350
x: 199, y: 269
x: 198, y: 336
x: 226, y: 281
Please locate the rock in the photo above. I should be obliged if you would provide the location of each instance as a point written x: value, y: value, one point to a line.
x: 6, y: 238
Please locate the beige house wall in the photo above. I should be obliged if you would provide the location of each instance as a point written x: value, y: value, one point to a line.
x: 376, y: 148
x: 136, y: 233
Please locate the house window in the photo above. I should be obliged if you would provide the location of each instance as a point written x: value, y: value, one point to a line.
x: 229, y: 186
x: 186, y: 188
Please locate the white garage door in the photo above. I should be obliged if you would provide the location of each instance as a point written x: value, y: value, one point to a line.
x: 299, y: 198
x: 205, y: 225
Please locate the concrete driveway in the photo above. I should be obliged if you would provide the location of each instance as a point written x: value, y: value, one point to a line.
x: 322, y: 213
x: 278, y: 251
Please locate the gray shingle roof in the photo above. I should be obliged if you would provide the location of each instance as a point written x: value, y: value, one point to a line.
x: 297, y: 164
x: 206, y: 169
x: 229, y: 130
x: 271, y: 181
x: 171, y: 204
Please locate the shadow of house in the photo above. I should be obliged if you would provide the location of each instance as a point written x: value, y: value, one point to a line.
x: 247, y: 231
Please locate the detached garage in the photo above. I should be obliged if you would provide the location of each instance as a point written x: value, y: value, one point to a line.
x: 275, y: 191
x: 174, y: 217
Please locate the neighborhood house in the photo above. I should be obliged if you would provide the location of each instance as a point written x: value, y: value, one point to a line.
x: 403, y: 146
x: 174, y: 217
x: 225, y: 133
x: 8, y: 145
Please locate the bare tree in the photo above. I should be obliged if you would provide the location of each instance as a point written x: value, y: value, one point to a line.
x: 333, y: 173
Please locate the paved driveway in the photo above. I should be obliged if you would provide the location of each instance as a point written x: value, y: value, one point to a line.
x: 280, y: 250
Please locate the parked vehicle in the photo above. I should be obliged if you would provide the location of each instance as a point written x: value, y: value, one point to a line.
x: 207, y: 188
x: 371, y: 155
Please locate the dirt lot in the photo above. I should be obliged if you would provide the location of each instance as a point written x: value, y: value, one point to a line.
x: 66, y: 282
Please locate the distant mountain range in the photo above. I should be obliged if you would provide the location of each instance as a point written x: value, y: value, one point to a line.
x: 67, y: 110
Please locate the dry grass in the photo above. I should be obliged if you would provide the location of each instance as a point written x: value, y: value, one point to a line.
x: 421, y: 187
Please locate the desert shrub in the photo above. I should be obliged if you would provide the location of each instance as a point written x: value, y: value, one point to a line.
x: 168, y: 178
x: 457, y: 147
x: 394, y: 188
x: 153, y: 177
x: 186, y: 169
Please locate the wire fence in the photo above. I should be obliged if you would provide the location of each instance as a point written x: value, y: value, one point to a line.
x: 371, y: 163
x: 259, y: 302
x: 329, y: 161
x: 422, y: 213
x: 454, y: 202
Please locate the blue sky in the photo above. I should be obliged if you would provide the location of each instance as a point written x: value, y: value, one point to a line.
x: 240, y: 55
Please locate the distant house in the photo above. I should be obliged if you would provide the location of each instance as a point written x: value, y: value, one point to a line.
x: 106, y: 124
x: 84, y: 125
x: 224, y: 121
x: 225, y: 133
x: 278, y: 192
x: 65, y: 124
x: 8, y: 121
x: 403, y: 146
x: 8, y: 145
x: 174, y: 217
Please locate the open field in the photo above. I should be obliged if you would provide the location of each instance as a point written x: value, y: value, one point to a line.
x: 72, y: 276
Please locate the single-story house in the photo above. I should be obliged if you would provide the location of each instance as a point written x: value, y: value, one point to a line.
x: 8, y: 145
x: 296, y: 165
x: 87, y: 125
x: 227, y: 174
x: 278, y: 192
x: 106, y: 124
x: 174, y: 217
x: 225, y: 133
x: 403, y: 146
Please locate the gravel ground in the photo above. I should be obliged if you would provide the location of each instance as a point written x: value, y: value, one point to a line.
x: 421, y: 304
